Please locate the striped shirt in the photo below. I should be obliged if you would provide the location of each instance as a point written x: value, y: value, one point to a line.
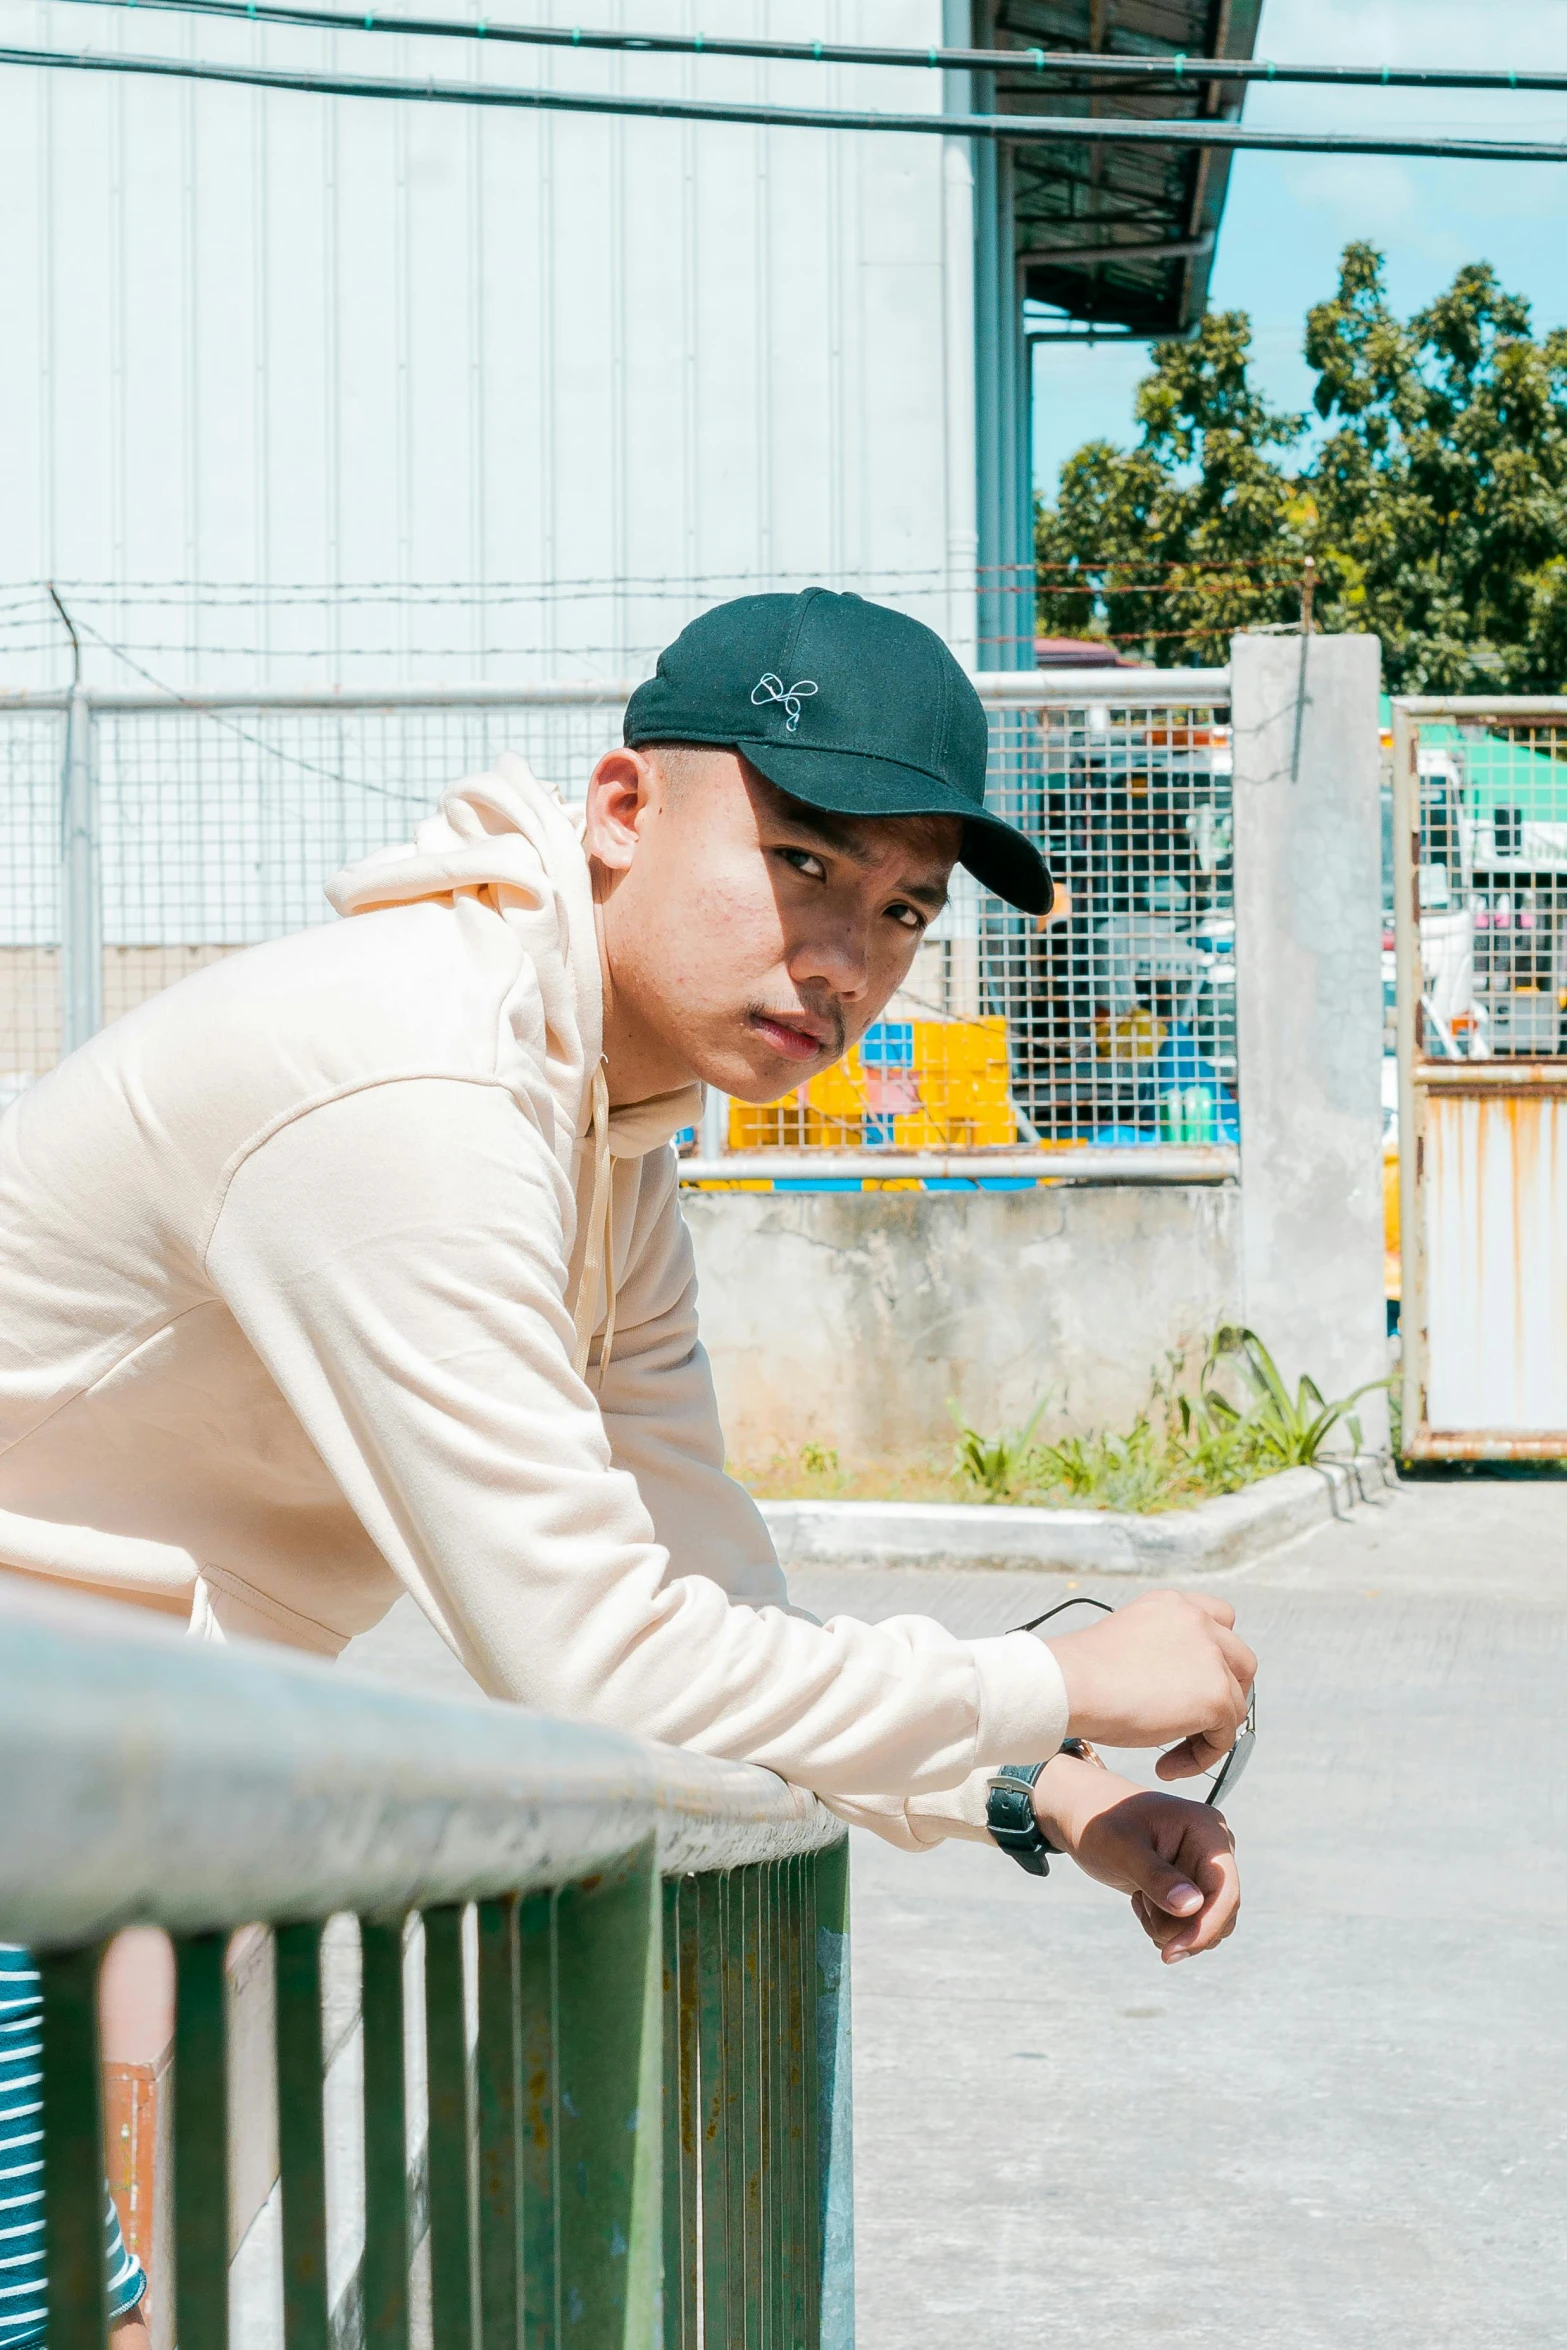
x: 23, y: 2288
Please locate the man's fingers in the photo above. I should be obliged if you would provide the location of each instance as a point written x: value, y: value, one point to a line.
x: 1154, y: 1923
x: 1241, y: 1660
x: 1215, y: 1920
x: 1167, y: 1888
x: 1220, y: 1609
x: 1192, y: 1757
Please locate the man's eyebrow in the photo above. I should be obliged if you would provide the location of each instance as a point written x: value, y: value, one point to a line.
x: 843, y: 835
x: 819, y: 824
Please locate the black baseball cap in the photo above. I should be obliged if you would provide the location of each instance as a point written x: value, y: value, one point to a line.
x: 848, y: 706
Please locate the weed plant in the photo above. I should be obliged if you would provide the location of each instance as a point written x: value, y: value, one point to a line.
x: 1183, y: 1446
x: 1239, y: 1423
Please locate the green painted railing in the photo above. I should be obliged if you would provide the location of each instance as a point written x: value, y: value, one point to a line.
x: 600, y: 1988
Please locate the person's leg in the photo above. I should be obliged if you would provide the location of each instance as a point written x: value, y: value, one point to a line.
x: 24, y: 2296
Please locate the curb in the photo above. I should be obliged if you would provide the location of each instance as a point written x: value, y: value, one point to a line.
x: 1229, y: 1531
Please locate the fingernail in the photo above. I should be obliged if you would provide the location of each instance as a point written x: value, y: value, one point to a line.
x: 1183, y: 1897
x: 1174, y: 1957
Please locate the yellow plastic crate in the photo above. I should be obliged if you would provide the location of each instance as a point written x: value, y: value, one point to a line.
x: 951, y: 1096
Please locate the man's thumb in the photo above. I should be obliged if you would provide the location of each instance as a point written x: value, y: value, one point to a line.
x: 1167, y: 1889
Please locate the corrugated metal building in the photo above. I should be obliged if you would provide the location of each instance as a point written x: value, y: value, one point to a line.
x: 299, y: 389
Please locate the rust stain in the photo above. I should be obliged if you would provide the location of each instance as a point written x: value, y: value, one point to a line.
x: 132, y: 2093
x: 1518, y: 1128
x: 1457, y: 1444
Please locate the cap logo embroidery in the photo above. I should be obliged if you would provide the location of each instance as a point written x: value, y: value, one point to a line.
x: 769, y: 688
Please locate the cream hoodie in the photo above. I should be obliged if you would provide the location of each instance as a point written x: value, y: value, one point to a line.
x: 306, y: 1269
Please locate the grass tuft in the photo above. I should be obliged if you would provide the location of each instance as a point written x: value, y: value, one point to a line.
x: 1238, y: 1424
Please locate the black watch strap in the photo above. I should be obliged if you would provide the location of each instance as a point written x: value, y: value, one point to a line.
x: 1009, y: 1812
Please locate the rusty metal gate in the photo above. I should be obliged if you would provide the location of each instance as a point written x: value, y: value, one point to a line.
x: 1480, y: 862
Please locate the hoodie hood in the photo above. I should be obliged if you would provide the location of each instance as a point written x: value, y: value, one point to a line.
x: 507, y: 841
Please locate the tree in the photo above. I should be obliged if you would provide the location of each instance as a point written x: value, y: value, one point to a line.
x: 1171, y: 546
x: 1434, y: 506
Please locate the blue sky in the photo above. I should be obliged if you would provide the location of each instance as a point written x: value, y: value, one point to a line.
x: 1289, y: 216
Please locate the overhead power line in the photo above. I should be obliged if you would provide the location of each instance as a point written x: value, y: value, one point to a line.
x: 1056, y: 64
x: 1022, y: 129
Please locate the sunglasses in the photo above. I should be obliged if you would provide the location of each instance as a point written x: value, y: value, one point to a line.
x: 1227, y: 1777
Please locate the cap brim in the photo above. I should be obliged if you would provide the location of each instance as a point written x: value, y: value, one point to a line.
x: 845, y: 783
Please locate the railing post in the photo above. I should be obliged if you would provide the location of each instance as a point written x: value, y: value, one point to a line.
x: 453, y: 2294
x: 609, y: 2005
x: 301, y: 2137
x: 720, y: 2263
x: 74, y: 2190
x: 201, y: 2135
x: 81, y: 881
x: 682, y: 2073
x: 499, y: 2123
x: 539, y: 2057
x: 835, y: 2109
x: 384, y: 2287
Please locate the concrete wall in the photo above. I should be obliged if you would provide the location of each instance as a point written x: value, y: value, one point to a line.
x: 1308, y: 928
x: 853, y: 1318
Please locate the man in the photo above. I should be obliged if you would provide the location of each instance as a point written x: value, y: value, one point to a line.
x: 355, y: 1264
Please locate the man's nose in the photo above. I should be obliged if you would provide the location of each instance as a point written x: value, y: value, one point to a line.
x: 834, y: 956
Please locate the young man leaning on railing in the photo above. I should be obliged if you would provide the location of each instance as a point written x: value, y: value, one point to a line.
x: 355, y: 1264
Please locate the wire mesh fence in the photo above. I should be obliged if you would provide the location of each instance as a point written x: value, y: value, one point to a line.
x: 1111, y: 1023
x: 1493, y: 887
x: 32, y: 750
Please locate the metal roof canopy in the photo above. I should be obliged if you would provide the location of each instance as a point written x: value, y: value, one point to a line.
x: 1160, y: 207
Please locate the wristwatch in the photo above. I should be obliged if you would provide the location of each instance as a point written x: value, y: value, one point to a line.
x: 1009, y: 1810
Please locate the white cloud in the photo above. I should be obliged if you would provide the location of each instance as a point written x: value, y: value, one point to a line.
x: 1397, y: 32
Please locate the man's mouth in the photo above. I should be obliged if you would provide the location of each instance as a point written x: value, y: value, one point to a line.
x: 796, y: 1035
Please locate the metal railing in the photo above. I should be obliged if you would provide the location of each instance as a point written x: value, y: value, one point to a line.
x: 596, y: 1990
x: 145, y: 835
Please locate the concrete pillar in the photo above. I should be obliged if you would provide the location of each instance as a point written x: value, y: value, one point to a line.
x: 1308, y: 905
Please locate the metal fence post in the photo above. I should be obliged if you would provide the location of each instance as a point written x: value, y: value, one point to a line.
x: 609, y: 2004
x: 835, y: 2110
x: 74, y: 2189
x: 713, y: 1133
x: 81, y: 881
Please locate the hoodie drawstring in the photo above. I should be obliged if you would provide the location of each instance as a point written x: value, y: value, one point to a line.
x: 598, y: 1257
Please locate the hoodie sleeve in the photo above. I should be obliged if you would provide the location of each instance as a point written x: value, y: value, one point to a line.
x: 661, y: 1417
x: 397, y: 1258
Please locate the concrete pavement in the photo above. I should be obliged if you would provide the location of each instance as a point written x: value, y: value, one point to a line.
x: 1348, y: 2127
x: 1347, y: 2130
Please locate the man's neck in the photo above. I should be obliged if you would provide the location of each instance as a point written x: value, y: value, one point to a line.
x: 638, y: 1063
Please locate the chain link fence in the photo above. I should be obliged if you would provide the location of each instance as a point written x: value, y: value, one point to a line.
x: 1108, y: 1026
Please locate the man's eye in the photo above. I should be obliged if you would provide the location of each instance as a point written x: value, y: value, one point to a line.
x: 910, y: 916
x: 804, y: 862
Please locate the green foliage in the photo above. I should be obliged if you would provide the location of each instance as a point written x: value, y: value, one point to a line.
x: 995, y: 1465
x: 1182, y: 1447
x: 1434, y: 507
x: 1287, y: 1431
x: 1191, y: 535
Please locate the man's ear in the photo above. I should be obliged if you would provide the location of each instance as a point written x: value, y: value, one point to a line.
x: 622, y: 788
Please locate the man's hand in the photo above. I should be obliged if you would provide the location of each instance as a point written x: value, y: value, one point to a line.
x: 1175, y: 1858
x: 1168, y: 1666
